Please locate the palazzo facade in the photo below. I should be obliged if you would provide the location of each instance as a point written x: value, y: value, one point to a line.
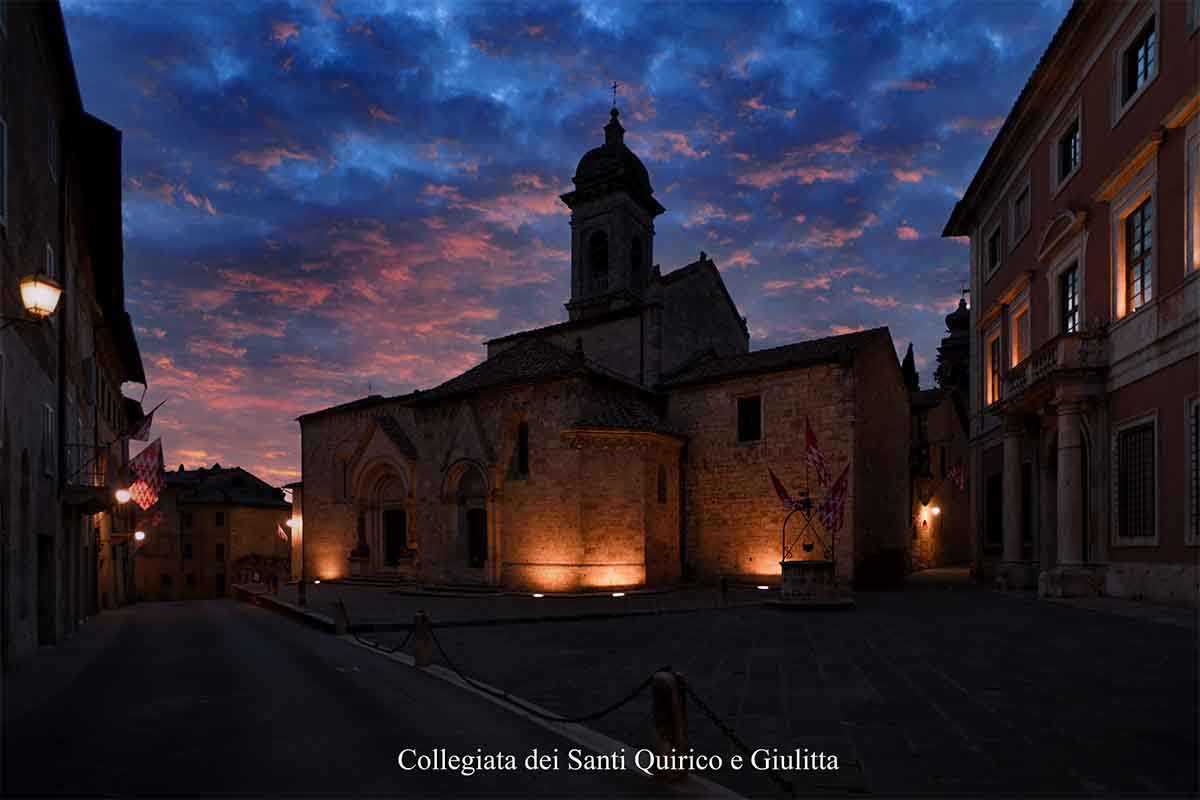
x: 1084, y: 222
x: 626, y: 446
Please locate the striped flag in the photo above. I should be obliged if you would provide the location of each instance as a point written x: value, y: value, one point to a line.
x: 141, y: 429
x: 148, y: 467
x: 281, y: 533
x: 816, y: 458
x: 958, y: 474
x: 833, y: 508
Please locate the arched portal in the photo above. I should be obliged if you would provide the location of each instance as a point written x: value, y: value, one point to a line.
x: 472, y: 516
x: 385, y: 514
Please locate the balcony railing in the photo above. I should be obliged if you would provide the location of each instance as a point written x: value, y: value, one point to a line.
x: 87, y: 465
x: 1075, y: 352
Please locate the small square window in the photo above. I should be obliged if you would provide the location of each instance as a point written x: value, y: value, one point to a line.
x: 1136, y: 481
x: 749, y: 418
x: 1139, y: 62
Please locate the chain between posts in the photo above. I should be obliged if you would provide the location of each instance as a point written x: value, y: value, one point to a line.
x: 733, y: 737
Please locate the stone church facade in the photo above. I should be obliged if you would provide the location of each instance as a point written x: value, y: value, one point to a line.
x: 626, y: 446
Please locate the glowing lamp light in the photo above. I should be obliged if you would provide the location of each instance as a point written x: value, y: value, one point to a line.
x: 123, y: 496
x: 935, y: 510
x: 763, y: 588
x: 139, y: 536
x: 618, y: 594
x: 538, y: 594
x: 40, y: 295
x: 293, y: 523
x: 318, y: 580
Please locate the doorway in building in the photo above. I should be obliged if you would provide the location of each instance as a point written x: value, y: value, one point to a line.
x: 45, y: 589
x: 220, y: 584
x: 395, y: 535
x: 476, y: 537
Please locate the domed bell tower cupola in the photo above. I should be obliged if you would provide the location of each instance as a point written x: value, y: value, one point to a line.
x: 612, y: 226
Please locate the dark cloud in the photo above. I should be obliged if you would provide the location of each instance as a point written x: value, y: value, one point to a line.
x: 325, y: 197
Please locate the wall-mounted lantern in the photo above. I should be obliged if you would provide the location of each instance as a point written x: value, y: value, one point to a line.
x: 40, y: 295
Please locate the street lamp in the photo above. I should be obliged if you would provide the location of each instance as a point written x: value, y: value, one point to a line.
x: 139, y: 536
x: 40, y: 295
x: 123, y: 496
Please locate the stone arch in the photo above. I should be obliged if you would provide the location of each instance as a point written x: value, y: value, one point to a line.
x: 385, y: 512
x: 597, y: 250
x: 469, y: 493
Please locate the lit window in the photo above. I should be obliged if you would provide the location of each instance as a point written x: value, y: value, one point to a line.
x: 993, y: 355
x: 1139, y: 63
x: 1068, y: 151
x: 1135, y: 481
x: 1019, y: 334
x: 749, y: 419
x: 1139, y: 257
x: 1068, y: 298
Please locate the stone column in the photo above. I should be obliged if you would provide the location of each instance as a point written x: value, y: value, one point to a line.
x: 1070, y: 485
x: 1013, y: 430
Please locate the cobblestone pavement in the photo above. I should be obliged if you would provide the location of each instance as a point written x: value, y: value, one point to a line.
x: 949, y: 691
x: 371, y: 604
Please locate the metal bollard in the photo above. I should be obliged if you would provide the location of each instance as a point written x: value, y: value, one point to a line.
x: 670, y: 721
x: 341, y: 619
x: 422, y: 640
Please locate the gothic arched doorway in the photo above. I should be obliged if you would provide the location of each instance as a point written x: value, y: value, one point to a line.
x: 472, y: 516
x: 391, y: 501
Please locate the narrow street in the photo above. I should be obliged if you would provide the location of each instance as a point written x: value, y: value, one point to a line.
x: 218, y: 697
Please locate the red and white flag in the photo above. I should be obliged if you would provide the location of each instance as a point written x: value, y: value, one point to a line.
x: 814, y: 456
x: 143, y: 494
x: 832, y: 509
x: 279, y: 530
x: 958, y: 474
x: 147, y: 466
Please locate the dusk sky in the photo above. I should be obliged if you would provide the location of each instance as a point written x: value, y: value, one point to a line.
x: 332, y: 198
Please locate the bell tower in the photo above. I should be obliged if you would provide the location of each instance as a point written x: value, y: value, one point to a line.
x: 612, y: 226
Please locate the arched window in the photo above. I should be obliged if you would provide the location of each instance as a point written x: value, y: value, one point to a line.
x: 523, y: 448
x: 598, y: 260
x: 635, y: 260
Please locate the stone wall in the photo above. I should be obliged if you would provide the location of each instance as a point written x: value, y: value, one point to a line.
x: 880, y: 486
x: 577, y: 519
x: 697, y: 316
x: 732, y: 516
x: 944, y: 538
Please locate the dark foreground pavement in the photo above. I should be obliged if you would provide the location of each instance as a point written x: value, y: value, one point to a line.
x: 221, y: 698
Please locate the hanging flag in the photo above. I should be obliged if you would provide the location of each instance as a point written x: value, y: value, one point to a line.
x: 143, y: 494
x: 833, y: 508
x: 148, y: 465
x: 958, y: 473
x: 279, y: 530
x: 816, y: 458
x: 780, y: 490
x: 141, y: 429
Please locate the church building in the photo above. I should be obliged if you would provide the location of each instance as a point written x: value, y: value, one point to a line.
x: 626, y: 446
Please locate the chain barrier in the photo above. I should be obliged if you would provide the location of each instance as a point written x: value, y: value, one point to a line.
x: 516, y: 701
x: 783, y: 784
x: 383, y: 648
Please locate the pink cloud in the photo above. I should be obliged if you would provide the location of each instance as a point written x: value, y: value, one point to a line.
x: 907, y: 233
x: 738, y: 259
x: 985, y: 126
x: 379, y: 114
x: 910, y: 85
x: 271, y: 157
x: 912, y: 175
x: 282, y: 31
x: 823, y: 235
x: 867, y: 296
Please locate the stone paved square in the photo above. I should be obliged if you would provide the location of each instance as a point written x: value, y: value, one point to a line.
x: 928, y: 691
